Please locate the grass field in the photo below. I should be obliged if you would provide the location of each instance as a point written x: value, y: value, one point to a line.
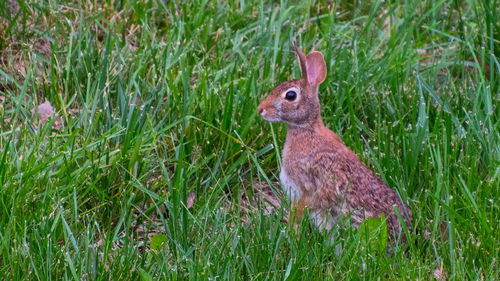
x: 156, y: 165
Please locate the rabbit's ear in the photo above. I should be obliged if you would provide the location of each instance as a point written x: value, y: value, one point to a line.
x: 315, y: 68
x: 302, y: 58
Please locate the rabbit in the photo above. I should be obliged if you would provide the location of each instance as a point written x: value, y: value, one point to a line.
x: 319, y: 171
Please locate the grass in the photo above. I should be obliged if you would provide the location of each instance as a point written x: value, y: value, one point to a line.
x: 158, y: 168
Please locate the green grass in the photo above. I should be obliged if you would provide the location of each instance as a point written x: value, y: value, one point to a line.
x: 159, y: 104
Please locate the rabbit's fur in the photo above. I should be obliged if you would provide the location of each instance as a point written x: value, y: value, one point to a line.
x: 319, y: 172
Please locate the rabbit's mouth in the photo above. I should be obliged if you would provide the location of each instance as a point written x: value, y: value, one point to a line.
x: 266, y: 116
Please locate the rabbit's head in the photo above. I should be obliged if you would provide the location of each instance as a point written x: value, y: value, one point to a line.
x: 296, y: 102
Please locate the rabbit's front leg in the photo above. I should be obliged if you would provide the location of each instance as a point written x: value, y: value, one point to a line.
x: 295, y: 215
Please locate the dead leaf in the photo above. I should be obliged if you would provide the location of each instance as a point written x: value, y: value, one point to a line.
x: 190, y: 200
x: 45, y: 111
x: 438, y: 273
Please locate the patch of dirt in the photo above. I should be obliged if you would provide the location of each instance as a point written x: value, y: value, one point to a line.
x: 263, y: 198
x: 16, y: 52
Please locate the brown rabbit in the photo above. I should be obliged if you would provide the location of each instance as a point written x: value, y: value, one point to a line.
x: 319, y: 172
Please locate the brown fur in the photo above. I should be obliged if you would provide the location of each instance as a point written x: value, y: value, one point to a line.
x: 331, y: 178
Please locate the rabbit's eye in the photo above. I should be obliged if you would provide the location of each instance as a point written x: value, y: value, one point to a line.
x: 290, y: 95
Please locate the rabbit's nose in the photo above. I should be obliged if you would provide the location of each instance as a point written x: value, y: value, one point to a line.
x: 260, y: 110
